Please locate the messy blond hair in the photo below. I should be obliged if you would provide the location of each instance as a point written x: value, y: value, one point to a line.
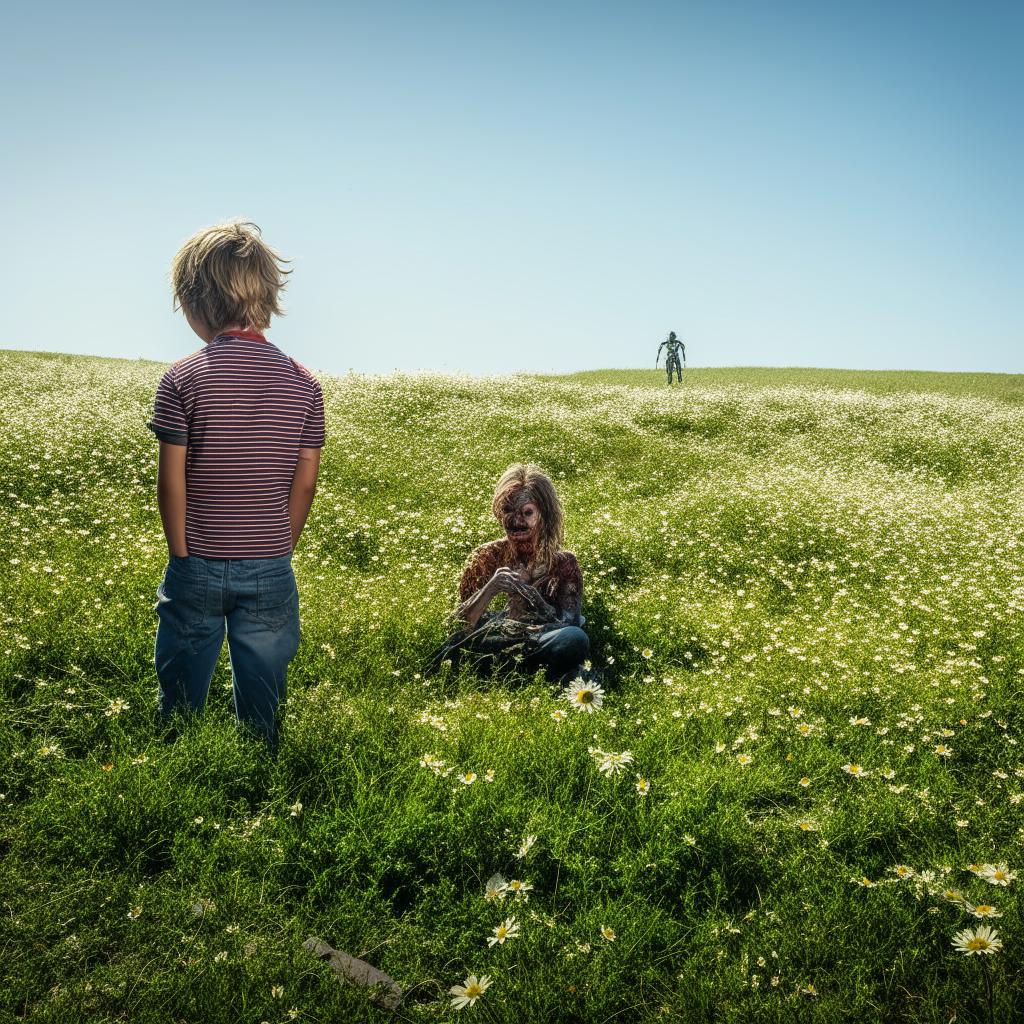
x: 226, y: 275
x: 525, y: 481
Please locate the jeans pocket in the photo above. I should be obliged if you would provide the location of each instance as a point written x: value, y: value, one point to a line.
x: 277, y: 598
x: 181, y: 597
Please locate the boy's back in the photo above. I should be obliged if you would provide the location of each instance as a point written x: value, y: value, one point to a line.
x: 244, y: 409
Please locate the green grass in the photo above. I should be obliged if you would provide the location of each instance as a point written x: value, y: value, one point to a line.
x: 765, y: 552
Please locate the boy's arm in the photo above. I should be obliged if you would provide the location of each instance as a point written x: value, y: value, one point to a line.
x: 300, y: 497
x: 170, y: 495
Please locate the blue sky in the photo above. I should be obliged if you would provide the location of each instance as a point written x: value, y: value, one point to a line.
x: 496, y: 187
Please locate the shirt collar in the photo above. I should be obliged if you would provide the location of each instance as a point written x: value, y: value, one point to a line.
x: 242, y: 335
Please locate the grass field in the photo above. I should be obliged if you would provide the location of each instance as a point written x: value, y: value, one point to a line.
x: 804, y: 589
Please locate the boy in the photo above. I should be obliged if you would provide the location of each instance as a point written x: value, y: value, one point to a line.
x: 240, y: 427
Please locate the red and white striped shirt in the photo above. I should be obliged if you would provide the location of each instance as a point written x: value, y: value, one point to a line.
x: 244, y: 409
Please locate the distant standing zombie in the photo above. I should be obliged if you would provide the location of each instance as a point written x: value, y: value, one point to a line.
x: 540, y: 622
x: 674, y: 348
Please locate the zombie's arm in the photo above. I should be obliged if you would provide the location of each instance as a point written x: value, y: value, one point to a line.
x: 683, y: 347
x: 482, y: 580
x: 570, y: 593
x: 658, y: 358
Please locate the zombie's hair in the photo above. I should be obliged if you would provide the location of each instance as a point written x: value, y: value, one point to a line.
x: 527, y: 482
x: 226, y: 274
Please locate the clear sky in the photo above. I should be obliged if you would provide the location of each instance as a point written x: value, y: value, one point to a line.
x: 496, y: 187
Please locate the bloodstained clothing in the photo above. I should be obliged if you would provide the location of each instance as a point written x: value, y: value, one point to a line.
x: 519, y: 633
x: 561, y: 586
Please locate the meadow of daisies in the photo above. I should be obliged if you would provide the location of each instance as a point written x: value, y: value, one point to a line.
x: 793, y: 789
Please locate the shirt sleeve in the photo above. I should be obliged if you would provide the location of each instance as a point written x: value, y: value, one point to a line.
x: 313, y: 428
x: 169, y: 422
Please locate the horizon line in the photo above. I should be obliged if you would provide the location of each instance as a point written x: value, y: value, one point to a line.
x: 398, y: 371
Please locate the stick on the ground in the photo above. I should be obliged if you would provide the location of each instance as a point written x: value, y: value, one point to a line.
x: 387, y: 993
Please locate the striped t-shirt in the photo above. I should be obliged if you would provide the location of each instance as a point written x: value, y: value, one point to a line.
x: 244, y: 409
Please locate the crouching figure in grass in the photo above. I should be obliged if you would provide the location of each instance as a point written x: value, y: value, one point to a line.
x: 540, y: 625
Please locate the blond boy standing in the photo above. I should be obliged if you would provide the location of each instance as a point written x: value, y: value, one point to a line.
x: 240, y: 426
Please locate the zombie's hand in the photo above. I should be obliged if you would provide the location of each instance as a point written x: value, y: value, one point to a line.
x: 532, y: 596
x: 504, y: 581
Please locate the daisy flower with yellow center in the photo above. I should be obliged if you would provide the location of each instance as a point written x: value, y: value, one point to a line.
x: 805, y: 782
x: 469, y: 991
x: 518, y: 888
x: 855, y: 770
x: 643, y: 786
x: 495, y: 888
x: 584, y: 696
x: 608, y: 934
x: 743, y: 759
x: 983, y: 910
x: 609, y: 762
x: 806, y: 825
x: 981, y: 940
x: 942, y: 750
x: 997, y: 874
x: 508, y: 929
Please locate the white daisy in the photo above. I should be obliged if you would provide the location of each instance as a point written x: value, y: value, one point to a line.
x: 508, y: 929
x: 469, y: 991
x: 583, y: 695
x: 981, y: 940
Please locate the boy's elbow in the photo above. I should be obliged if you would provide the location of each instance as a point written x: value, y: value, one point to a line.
x: 304, y: 488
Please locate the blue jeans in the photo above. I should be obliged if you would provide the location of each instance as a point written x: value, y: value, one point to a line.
x: 258, y: 602
x: 560, y: 652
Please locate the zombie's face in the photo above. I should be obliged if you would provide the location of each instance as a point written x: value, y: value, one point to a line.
x: 521, y: 518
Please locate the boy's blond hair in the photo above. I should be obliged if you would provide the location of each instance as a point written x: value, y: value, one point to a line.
x: 226, y: 275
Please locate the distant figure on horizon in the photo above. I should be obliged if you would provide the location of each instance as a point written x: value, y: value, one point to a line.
x: 672, y: 353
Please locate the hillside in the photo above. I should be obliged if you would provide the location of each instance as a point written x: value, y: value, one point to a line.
x: 803, y: 588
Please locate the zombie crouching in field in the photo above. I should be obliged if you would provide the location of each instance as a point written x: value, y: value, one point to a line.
x: 540, y: 624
